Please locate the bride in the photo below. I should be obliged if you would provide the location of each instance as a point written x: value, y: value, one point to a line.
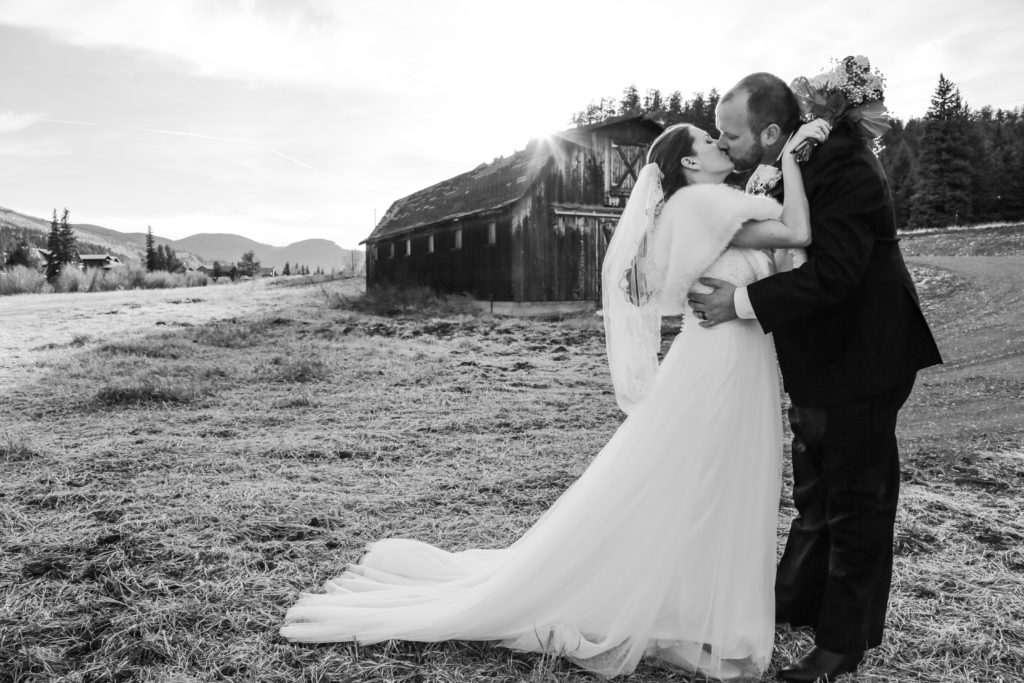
x: 665, y: 546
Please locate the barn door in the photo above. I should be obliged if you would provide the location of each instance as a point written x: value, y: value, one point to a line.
x: 627, y: 160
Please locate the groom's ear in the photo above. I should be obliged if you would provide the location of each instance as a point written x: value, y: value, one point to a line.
x: 771, y: 134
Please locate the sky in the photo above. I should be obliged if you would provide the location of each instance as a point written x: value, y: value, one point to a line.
x: 284, y: 120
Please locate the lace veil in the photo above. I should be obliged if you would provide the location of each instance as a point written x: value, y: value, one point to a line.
x: 630, y: 283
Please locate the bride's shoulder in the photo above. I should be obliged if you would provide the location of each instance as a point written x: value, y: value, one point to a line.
x: 711, y: 199
x: 706, y: 192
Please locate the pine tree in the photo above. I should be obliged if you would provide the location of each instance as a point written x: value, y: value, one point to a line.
x: 630, y: 102
x: 172, y: 264
x: 902, y: 180
x: 943, y: 192
x: 675, y: 105
x: 150, y: 250
x: 287, y: 270
x: 609, y: 108
x: 698, y: 109
x: 987, y: 167
x: 1010, y: 197
x: 158, y: 258
x: 54, y: 246
x: 653, y: 102
x: 248, y: 265
x: 68, y: 241
x: 946, y: 103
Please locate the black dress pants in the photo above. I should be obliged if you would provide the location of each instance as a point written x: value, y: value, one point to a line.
x: 836, y: 569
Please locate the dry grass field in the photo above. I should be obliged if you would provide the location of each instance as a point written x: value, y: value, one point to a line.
x: 173, y: 472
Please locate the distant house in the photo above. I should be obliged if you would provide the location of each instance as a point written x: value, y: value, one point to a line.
x: 104, y: 261
x: 228, y: 270
x: 530, y: 227
x: 268, y: 272
x: 44, y: 256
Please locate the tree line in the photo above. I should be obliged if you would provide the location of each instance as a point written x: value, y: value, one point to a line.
x: 250, y: 266
x: 161, y: 256
x: 19, y: 247
x: 953, y: 166
x: 956, y: 165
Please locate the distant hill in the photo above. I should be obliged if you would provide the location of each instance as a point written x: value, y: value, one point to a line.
x: 15, y: 226
x: 315, y: 253
x: 205, y: 248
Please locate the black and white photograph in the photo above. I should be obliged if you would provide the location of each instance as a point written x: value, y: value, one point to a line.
x: 450, y: 341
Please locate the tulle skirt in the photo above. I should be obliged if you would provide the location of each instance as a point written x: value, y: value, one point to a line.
x: 664, y: 547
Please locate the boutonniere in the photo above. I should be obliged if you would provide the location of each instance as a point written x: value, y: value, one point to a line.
x: 764, y: 179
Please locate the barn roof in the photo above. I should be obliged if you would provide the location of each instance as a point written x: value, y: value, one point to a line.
x: 487, y: 187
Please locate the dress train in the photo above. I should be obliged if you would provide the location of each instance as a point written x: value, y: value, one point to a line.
x: 664, y: 547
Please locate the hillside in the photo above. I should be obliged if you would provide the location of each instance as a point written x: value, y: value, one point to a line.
x: 15, y: 226
x: 204, y: 248
x: 314, y: 253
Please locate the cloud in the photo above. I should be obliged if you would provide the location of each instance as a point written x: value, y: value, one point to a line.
x: 258, y: 41
x: 12, y: 122
x: 46, y: 149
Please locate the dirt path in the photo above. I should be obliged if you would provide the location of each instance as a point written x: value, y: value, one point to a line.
x: 979, y: 325
x: 36, y: 327
x: 989, y: 324
x: 1003, y: 276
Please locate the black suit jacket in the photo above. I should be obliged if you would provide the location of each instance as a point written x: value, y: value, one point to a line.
x: 847, y: 324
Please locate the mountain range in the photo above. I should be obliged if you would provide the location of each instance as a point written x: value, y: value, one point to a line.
x: 205, y: 248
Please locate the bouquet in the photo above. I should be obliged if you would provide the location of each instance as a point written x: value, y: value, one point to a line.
x: 851, y: 92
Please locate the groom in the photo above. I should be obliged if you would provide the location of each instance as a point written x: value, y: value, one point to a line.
x: 850, y: 338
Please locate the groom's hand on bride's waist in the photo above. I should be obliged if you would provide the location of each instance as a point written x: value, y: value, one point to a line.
x: 715, y: 307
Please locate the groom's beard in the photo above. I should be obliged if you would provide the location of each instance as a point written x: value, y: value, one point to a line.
x: 750, y: 160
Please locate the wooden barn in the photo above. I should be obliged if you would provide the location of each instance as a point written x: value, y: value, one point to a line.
x: 531, y: 227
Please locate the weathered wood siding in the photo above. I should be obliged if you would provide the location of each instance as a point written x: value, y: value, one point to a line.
x: 598, y: 167
x: 476, y: 267
x: 549, y: 244
x: 558, y: 250
x: 560, y: 230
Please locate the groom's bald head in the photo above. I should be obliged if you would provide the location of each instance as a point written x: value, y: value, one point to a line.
x: 755, y: 118
x: 769, y: 100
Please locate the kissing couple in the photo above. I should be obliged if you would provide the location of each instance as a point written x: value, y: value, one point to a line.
x: 665, y: 547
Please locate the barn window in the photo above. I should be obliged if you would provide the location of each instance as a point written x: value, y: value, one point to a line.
x: 458, y: 238
x: 408, y: 247
x: 627, y: 160
x: 492, y: 233
x: 430, y: 244
x: 391, y: 250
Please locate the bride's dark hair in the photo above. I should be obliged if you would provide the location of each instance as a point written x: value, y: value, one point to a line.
x: 668, y: 150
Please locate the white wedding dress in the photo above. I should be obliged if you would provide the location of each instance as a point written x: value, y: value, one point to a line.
x: 664, y: 547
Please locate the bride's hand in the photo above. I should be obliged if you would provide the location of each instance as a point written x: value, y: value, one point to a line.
x: 816, y: 132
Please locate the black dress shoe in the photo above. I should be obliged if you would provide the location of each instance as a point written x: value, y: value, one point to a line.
x: 821, y: 665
